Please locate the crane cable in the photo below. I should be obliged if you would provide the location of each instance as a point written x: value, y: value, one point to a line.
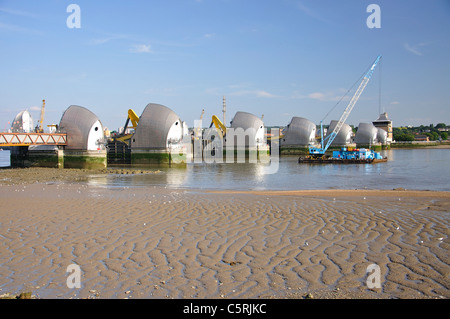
x: 351, y: 88
x: 379, y: 87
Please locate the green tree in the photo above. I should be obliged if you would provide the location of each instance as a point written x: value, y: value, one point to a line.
x: 403, y: 137
x: 433, y: 136
x: 444, y: 135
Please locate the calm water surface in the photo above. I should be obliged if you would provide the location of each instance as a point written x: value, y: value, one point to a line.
x: 419, y: 169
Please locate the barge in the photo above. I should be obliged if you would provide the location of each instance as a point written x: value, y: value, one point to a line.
x: 346, y: 156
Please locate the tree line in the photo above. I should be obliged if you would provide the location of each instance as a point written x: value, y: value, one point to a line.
x: 409, y: 133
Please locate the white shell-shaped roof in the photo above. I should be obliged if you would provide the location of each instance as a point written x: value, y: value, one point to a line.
x: 366, y: 134
x: 154, y: 126
x: 381, y: 136
x: 81, y: 126
x: 252, y: 126
x: 299, y: 131
x: 246, y: 120
x: 22, y: 123
x: 344, y: 135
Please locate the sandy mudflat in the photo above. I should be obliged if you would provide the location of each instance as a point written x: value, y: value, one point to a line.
x: 150, y: 242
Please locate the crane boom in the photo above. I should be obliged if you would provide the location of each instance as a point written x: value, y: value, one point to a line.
x: 132, y: 116
x: 330, y: 138
x: 221, y: 129
x: 41, y: 122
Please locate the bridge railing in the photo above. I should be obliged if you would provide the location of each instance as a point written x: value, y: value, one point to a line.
x: 26, y: 139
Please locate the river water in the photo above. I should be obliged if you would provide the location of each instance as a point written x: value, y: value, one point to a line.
x: 415, y: 169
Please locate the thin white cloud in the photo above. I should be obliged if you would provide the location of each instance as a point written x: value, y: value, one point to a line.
x: 240, y: 89
x: 415, y: 48
x: 34, y: 108
x: 111, y: 37
x: 15, y: 28
x: 256, y: 93
x: 395, y: 102
x: 18, y: 12
x: 141, y: 48
x: 310, y: 12
x: 240, y: 85
x: 319, y: 96
x: 209, y: 35
x: 264, y: 94
x: 99, y: 41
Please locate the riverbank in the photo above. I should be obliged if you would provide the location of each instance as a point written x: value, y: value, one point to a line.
x: 419, y: 145
x: 153, y: 242
x: 16, y: 176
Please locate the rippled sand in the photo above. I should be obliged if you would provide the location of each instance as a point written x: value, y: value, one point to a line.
x: 165, y: 243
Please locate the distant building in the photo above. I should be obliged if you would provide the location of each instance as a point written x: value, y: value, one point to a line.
x: 421, y: 138
x: 385, y: 123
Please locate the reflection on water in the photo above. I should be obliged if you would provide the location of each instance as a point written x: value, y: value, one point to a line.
x: 410, y: 169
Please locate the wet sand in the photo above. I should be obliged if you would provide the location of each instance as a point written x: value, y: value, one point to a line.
x: 150, y: 242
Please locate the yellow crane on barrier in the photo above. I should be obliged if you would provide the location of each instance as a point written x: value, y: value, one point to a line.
x: 40, y: 127
x: 132, y: 116
x: 221, y: 129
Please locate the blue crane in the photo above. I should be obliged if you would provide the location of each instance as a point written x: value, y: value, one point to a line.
x: 330, y: 137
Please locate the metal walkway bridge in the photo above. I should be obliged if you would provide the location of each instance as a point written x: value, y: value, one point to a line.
x: 26, y: 139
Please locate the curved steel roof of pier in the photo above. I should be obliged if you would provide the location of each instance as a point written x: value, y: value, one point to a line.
x: 344, y: 135
x: 77, y: 122
x: 22, y: 123
x: 299, y: 131
x: 366, y: 134
x: 253, y: 128
x: 153, y: 128
x: 246, y: 120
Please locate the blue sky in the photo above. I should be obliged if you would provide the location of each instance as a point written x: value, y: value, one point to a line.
x: 280, y: 58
